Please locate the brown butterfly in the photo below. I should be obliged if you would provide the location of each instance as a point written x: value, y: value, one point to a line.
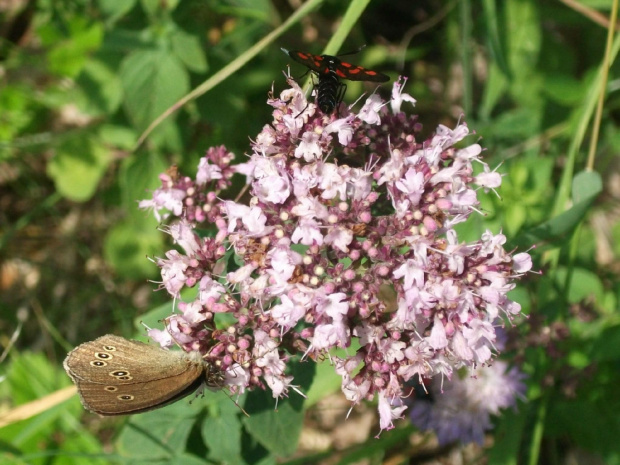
x: 116, y: 376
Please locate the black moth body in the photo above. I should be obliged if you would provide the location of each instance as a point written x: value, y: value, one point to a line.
x: 330, y: 69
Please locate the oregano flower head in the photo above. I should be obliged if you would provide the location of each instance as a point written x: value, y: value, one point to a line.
x: 347, y: 241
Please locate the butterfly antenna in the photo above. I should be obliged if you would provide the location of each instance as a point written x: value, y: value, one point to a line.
x: 238, y: 406
x: 352, y: 52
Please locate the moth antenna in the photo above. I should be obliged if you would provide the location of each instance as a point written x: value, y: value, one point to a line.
x: 353, y: 52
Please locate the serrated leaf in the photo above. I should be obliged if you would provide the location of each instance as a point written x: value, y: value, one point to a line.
x: 153, y: 80
x: 78, y: 166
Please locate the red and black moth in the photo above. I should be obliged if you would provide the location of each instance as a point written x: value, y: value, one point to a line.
x: 330, y: 70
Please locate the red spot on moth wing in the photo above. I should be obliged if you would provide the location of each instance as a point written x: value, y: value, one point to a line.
x: 362, y: 74
x: 314, y: 62
x: 325, y: 64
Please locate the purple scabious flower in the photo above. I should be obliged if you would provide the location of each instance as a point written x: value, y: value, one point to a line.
x: 461, y: 409
x: 347, y: 239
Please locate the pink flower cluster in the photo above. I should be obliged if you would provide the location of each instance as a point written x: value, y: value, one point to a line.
x: 347, y: 241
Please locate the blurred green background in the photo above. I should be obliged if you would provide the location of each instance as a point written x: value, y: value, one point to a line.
x: 81, y: 81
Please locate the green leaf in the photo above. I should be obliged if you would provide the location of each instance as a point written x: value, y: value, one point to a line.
x: 520, y: 122
x: 325, y: 382
x: 77, y: 446
x: 268, y: 425
x: 152, y: 319
x: 68, y: 57
x: 101, y: 87
x: 221, y: 432
x: 188, y: 459
x: 114, y: 9
x: 584, y: 284
x: 138, y: 178
x: 160, y: 434
x: 153, y: 81
x: 494, y: 89
x: 606, y: 347
x: 121, y: 137
x: 30, y: 377
x: 377, y: 448
x: 523, y: 40
x: 189, y: 50
x: 593, y: 425
x: 615, y: 238
x: 564, y: 89
x: 78, y: 166
x: 507, y: 438
x: 516, y: 215
x: 155, y: 7
x: 493, y: 27
x: 128, y: 245
x: 15, y: 101
x: 586, y: 187
x: 242, y: 59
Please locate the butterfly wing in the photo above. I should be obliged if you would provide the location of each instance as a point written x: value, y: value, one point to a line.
x: 97, y: 360
x: 315, y: 62
x: 116, y: 376
x: 125, y: 399
x: 357, y: 73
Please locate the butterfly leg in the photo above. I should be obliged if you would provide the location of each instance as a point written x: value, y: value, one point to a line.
x: 342, y: 89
